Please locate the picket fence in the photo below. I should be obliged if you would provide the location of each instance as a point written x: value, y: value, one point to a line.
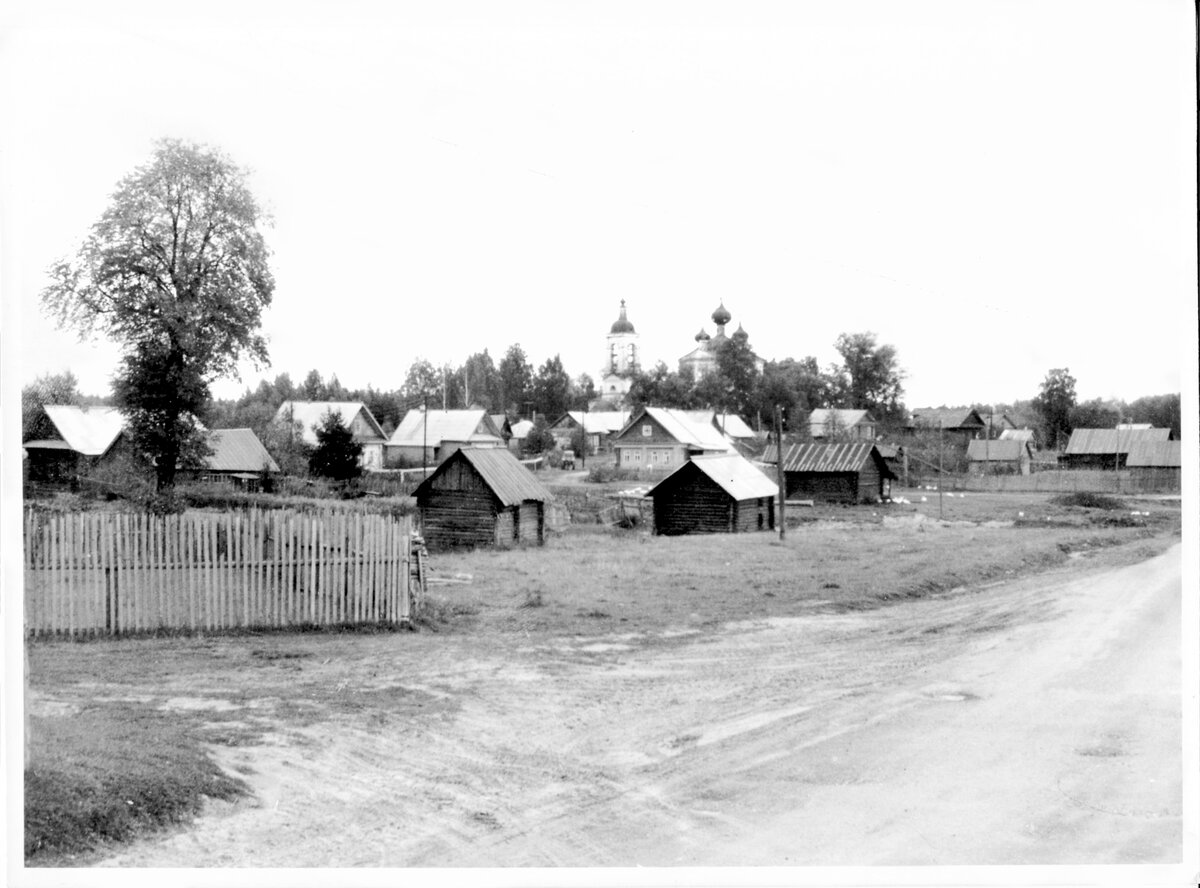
x: 97, y: 574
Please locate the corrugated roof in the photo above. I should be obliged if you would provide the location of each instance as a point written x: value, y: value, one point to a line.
x: 947, y: 418
x: 444, y: 425
x: 88, y: 430
x: 734, y: 474
x: 1003, y: 450
x: 847, y: 456
x: 510, y: 481
x: 238, y: 450
x: 310, y: 413
x: 1108, y: 441
x: 1156, y: 454
x: 684, y: 429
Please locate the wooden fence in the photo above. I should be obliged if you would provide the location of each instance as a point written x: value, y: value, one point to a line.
x: 1128, y: 481
x: 103, y: 573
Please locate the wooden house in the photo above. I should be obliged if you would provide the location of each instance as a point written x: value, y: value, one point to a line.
x: 1009, y: 456
x: 1158, y: 463
x: 848, y: 472
x: 503, y: 426
x: 84, y: 437
x: 601, y: 426
x: 429, y: 438
x: 658, y: 438
x: 1106, y: 448
x: 714, y: 494
x: 238, y: 457
x: 481, y: 497
x: 518, y: 432
x: 354, y: 415
x: 836, y: 424
x: 963, y: 421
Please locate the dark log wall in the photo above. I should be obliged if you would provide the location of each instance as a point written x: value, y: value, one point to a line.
x: 833, y: 487
x: 870, y: 483
x: 456, y: 518
x: 752, y: 515
x: 506, y: 528
x: 696, y: 505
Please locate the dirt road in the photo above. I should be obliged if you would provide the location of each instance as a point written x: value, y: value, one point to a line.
x: 1036, y: 721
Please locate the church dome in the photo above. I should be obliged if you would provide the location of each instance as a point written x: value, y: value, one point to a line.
x: 721, y: 316
x: 702, y: 336
x: 621, y: 324
x: 741, y: 334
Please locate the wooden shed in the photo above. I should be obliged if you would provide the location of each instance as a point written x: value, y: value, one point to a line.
x: 482, y: 496
x: 1002, y: 456
x: 849, y: 472
x: 714, y: 494
x: 1106, y: 448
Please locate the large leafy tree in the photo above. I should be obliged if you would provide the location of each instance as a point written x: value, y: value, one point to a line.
x: 175, y: 272
x: 50, y: 388
x: 516, y: 379
x: 481, y: 382
x: 873, y: 375
x: 1053, y: 405
x: 552, y: 389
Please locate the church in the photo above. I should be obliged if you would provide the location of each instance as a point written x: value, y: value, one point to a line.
x: 702, y: 360
x: 620, y: 360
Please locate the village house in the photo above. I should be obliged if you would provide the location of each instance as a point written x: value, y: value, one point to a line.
x: 518, y: 433
x: 963, y: 421
x: 601, y: 426
x: 238, y: 457
x: 354, y: 415
x: 481, y: 497
x: 85, y: 437
x: 1106, y: 448
x: 660, y: 438
x: 723, y: 493
x: 847, y: 472
x: 428, y: 438
x: 1156, y: 463
x: 1010, y: 456
x: 839, y: 424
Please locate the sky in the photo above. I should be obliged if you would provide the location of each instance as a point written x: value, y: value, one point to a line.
x: 995, y: 189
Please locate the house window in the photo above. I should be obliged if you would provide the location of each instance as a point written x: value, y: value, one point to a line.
x: 647, y: 430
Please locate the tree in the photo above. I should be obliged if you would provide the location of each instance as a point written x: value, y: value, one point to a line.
x: 423, y: 381
x: 1094, y: 414
x: 313, y: 387
x: 583, y: 392
x: 874, y: 376
x: 539, y: 439
x: 481, y: 382
x: 50, y: 388
x: 738, y: 370
x: 1053, y: 406
x: 516, y: 379
x: 661, y: 387
x: 337, y: 454
x: 1161, y: 411
x: 175, y: 272
x: 552, y: 389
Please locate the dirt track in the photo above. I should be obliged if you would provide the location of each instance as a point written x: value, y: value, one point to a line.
x: 1031, y: 722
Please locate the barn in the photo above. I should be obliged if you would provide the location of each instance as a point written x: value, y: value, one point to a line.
x: 1004, y: 456
x: 1156, y: 463
x: 482, y: 496
x: 714, y: 494
x: 849, y: 472
x: 1106, y: 448
x: 85, y: 438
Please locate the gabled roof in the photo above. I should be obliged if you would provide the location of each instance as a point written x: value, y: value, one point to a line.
x: 1017, y: 435
x: 310, y: 413
x: 500, y: 421
x: 1000, y: 450
x: 504, y: 475
x: 947, y: 418
x: 1108, y: 441
x: 600, y: 421
x: 848, y: 456
x: 682, y: 428
x: 238, y: 450
x: 90, y: 431
x: 521, y: 429
x: 733, y: 473
x: 730, y: 424
x: 443, y: 425
x: 1156, y: 454
x: 845, y: 418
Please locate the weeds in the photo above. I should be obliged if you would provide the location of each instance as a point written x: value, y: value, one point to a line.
x: 1088, y: 501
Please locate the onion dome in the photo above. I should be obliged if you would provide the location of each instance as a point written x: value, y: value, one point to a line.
x: 621, y: 324
x: 741, y: 334
x: 721, y: 316
x: 702, y: 336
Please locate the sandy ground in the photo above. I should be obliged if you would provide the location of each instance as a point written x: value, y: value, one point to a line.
x: 1036, y: 721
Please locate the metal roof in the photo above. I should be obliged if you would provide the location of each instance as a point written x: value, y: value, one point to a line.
x: 238, y: 450
x: 1109, y: 441
x: 734, y: 474
x: 601, y: 421
x: 947, y: 418
x: 1002, y: 450
x: 510, y: 481
x: 847, y: 419
x: 847, y: 456
x: 443, y: 425
x: 683, y: 429
x: 1017, y: 435
x: 729, y: 424
x: 310, y: 413
x: 1156, y: 454
x: 87, y: 430
x: 521, y: 429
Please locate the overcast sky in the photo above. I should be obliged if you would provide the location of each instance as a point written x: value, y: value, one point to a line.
x: 996, y: 189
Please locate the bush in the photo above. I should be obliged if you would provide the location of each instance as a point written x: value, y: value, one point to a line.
x: 1088, y: 501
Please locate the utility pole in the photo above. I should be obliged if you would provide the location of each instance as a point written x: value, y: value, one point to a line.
x: 941, y: 447
x: 779, y: 468
x: 424, y: 434
x: 583, y: 447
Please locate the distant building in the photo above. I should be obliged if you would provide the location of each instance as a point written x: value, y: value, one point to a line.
x: 1003, y: 456
x: 354, y: 415
x: 659, y: 438
x: 702, y: 360
x: 601, y: 426
x: 621, y: 360
x: 1106, y: 448
x: 428, y: 438
x: 841, y: 424
x: 85, y: 437
x: 714, y: 494
x: 964, y: 421
x: 238, y: 457
x: 849, y: 472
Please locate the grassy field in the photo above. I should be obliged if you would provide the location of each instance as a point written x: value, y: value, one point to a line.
x: 105, y: 767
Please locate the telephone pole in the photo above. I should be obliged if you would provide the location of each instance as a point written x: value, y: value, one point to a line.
x: 779, y: 468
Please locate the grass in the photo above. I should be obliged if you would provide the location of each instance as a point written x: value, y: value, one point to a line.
x: 109, y: 773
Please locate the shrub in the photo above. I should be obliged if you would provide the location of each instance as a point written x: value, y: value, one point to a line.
x: 1088, y: 501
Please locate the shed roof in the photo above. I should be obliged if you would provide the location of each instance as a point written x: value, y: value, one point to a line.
x: 1000, y: 450
x: 521, y: 430
x: 310, y: 413
x: 683, y: 429
x: 238, y: 450
x: 503, y: 473
x: 443, y: 425
x: 730, y: 424
x: 1156, y: 454
x: 843, y: 417
x: 846, y: 456
x: 733, y: 473
x: 90, y: 431
x: 947, y: 418
x: 1016, y: 435
x: 1108, y: 441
